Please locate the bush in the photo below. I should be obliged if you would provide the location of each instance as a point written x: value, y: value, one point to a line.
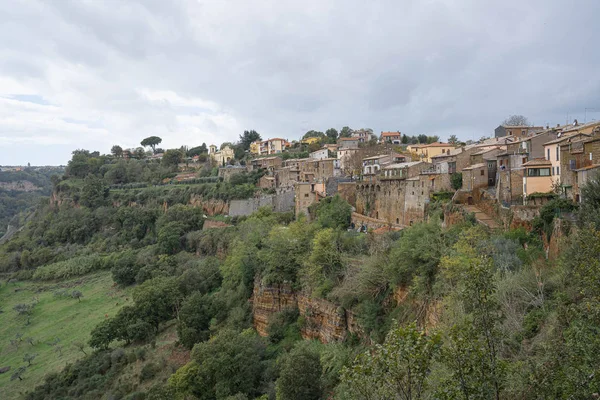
x: 70, y: 268
x: 149, y: 371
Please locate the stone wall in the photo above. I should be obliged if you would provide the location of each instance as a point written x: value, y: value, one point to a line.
x: 282, y: 201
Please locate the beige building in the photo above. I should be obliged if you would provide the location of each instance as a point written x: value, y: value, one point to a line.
x: 306, y: 195
x: 426, y: 151
x: 537, y: 177
x: 221, y: 157
x: 552, y: 152
x: 271, y: 146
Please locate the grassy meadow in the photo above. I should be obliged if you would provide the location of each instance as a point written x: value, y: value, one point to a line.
x: 56, y: 323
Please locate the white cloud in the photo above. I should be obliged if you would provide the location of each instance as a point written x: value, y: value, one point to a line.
x: 193, y: 72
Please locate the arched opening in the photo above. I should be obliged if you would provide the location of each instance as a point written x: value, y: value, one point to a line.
x: 397, y: 220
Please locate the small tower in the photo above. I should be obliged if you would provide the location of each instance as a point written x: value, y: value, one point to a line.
x: 213, y: 149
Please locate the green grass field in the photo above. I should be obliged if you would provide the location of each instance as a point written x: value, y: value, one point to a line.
x: 53, y: 317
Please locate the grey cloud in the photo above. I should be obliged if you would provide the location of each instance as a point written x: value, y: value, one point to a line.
x: 444, y: 67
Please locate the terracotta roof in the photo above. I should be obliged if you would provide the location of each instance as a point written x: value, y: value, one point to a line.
x: 594, y: 166
x: 486, y: 150
x: 474, y: 166
x: 386, y: 134
x: 538, y: 162
x: 434, y: 144
x: 565, y: 137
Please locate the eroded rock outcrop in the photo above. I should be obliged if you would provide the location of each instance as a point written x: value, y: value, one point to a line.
x: 323, y: 320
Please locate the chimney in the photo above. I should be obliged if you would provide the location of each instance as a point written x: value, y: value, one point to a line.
x: 557, y: 125
x: 575, y: 123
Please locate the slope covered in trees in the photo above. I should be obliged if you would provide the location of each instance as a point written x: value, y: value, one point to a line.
x: 448, y: 312
x: 20, y: 191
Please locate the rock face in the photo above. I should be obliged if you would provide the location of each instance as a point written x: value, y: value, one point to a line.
x: 211, y: 206
x: 324, y: 320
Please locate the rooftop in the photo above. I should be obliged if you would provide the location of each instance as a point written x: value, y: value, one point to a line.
x: 593, y: 166
x: 402, y: 165
x: 387, y: 134
x: 376, y: 157
x: 538, y: 162
x: 474, y: 166
x: 434, y: 144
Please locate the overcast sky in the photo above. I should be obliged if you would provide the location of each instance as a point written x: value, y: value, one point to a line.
x: 91, y: 74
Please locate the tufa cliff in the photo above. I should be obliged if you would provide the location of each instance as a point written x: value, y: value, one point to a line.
x: 324, y: 321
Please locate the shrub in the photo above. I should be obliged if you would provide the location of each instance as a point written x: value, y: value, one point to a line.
x: 76, y: 266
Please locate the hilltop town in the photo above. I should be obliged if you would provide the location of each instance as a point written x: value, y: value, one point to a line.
x: 390, y: 179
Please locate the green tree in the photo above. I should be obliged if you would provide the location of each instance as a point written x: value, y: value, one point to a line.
x: 456, y: 180
x: 324, y: 266
x: 151, y: 141
x: 172, y: 158
x: 472, y: 352
x: 346, y: 132
x: 169, y: 237
x: 332, y: 134
x: 416, y: 254
x: 398, y: 369
x: 300, y: 375
x: 194, y: 319
x: 590, y: 206
x: 228, y: 364
x: 117, y: 151
x: 249, y: 137
x: 313, y: 133
x: 93, y: 192
x: 453, y: 139
x: 333, y: 212
x: 157, y: 300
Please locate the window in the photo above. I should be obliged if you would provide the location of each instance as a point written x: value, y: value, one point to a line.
x: 557, y: 170
x: 548, y: 152
x: 557, y: 153
x: 552, y: 170
x: 306, y: 195
x: 481, y: 172
x: 538, y: 172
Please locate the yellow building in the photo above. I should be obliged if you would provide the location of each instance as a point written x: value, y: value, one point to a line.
x: 221, y: 157
x: 310, y: 140
x: 537, y: 177
x: 255, y: 147
x: 424, y: 152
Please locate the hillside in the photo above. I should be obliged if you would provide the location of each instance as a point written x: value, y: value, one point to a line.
x: 274, y: 306
x: 21, y: 191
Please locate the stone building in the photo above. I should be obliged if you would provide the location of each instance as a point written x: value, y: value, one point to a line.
x: 307, y: 194
x: 520, y: 131
x: 228, y: 171
x: 268, y: 163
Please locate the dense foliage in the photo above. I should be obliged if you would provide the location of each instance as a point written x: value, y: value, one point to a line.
x: 433, y: 311
x: 21, y: 191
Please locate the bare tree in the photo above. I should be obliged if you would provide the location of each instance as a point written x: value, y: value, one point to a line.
x: 77, y: 295
x: 18, y: 374
x: 516, y: 120
x: 80, y: 346
x: 28, y: 358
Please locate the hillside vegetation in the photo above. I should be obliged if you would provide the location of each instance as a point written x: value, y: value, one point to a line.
x: 21, y: 191
x: 444, y: 312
